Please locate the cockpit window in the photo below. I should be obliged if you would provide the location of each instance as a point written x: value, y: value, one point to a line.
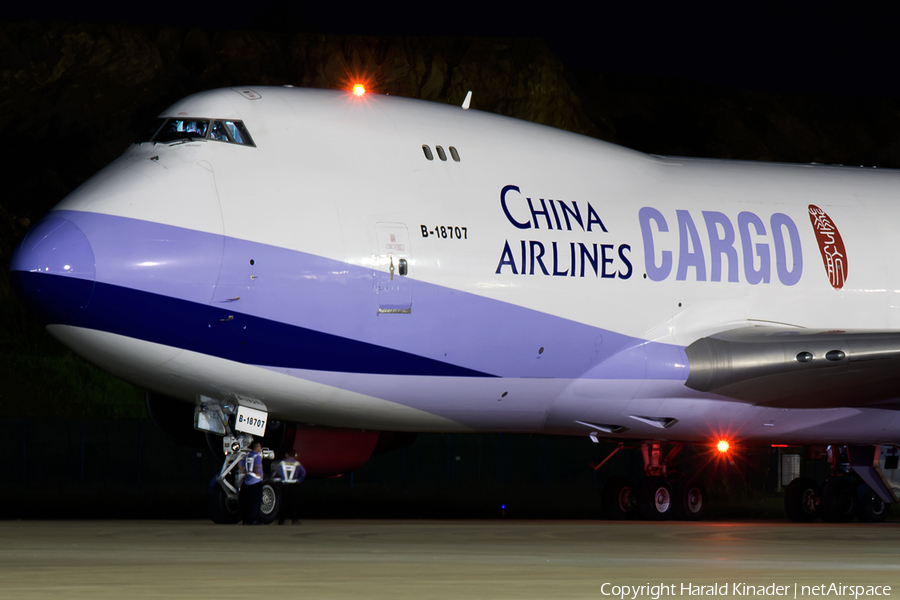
x: 183, y: 130
x: 231, y: 131
x: 219, y: 132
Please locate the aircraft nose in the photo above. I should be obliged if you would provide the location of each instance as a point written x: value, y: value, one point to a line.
x: 53, y: 270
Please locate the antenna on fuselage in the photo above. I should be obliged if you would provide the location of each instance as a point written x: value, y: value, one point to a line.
x: 467, y: 101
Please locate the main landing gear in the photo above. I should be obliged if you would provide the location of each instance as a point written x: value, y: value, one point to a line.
x: 842, y: 497
x: 657, y: 496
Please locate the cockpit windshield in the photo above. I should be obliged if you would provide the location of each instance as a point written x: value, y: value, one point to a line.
x: 182, y: 129
x: 230, y: 131
x: 185, y: 130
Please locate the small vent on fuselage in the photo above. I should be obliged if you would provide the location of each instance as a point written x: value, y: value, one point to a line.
x: 454, y: 153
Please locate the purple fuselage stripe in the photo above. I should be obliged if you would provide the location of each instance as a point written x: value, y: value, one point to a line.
x: 338, y: 298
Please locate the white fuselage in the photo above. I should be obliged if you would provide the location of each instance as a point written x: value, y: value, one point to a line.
x: 549, y: 280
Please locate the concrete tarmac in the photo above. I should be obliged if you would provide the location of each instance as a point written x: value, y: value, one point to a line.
x: 439, y: 559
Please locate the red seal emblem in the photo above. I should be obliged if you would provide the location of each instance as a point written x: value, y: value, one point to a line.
x: 831, y: 245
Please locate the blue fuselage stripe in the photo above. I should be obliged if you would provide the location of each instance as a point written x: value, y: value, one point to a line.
x: 229, y: 334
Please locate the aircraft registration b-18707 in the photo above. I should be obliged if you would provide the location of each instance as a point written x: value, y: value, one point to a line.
x: 355, y: 266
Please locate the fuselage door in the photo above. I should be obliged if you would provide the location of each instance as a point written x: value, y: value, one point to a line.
x: 393, y: 266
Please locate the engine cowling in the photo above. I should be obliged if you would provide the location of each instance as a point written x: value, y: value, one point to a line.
x: 330, y: 451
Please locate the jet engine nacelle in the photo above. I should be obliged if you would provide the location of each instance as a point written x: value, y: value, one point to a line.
x: 329, y: 451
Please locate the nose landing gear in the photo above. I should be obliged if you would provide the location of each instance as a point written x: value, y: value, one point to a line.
x: 223, y: 497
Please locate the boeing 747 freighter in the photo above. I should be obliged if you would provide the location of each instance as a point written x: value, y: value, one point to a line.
x: 356, y: 266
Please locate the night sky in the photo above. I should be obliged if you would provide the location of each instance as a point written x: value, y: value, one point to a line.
x: 773, y: 45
